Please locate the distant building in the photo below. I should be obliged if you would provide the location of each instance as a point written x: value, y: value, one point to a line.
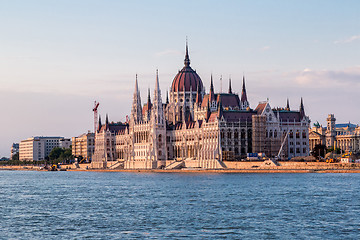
x: 83, y: 146
x: 198, y: 129
x: 65, y: 143
x: 38, y: 148
x: 281, y: 126
x: 14, y: 150
x: 345, y: 136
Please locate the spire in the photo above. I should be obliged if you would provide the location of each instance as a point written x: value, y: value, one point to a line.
x: 149, y: 99
x: 287, y: 105
x: 230, y: 90
x: 99, y: 127
x: 244, y: 102
x: 302, y: 110
x: 208, y: 112
x: 220, y: 109
x: 107, y: 122
x: 136, y: 111
x: 157, y: 87
x: 136, y: 84
x: 149, y: 106
x: 243, y: 92
x: 187, y: 59
x: 167, y: 97
x: 157, y: 113
x: 212, y: 94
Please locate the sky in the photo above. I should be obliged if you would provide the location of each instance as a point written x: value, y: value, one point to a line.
x: 58, y: 57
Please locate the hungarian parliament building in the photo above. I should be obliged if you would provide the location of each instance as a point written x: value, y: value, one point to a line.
x: 195, y: 129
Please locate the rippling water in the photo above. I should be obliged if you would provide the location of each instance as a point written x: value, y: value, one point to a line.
x: 116, y: 205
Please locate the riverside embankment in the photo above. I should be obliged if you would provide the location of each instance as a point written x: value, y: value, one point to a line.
x: 232, y: 167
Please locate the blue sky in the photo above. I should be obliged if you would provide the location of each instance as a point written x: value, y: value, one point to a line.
x: 57, y: 57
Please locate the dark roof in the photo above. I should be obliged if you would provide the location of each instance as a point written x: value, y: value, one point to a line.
x: 227, y: 100
x: 260, y: 108
x: 288, y: 116
x: 233, y: 115
x: 236, y: 116
x: 114, y: 127
x: 185, y: 79
x: 344, y: 125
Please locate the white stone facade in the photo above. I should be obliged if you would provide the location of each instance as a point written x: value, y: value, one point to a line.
x: 194, y: 128
x: 345, y: 136
x: 83, y: 146
x: 38, y: 148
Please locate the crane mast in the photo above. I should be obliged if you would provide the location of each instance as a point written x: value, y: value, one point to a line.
x: 95, y: 110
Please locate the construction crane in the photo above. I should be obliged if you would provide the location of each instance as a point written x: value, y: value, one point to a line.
x: 277, y: 157
x: 95, y: 110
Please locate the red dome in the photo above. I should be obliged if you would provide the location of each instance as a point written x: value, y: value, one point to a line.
x: 186, y: 78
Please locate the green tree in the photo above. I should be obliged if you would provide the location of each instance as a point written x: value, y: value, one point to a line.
x: 55, y: 153
x: 58, y: 155
x: 66, y: 154
x: 319, y: 151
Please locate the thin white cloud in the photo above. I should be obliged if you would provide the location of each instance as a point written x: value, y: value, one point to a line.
x: 328, y: 78
x: 348, y: 40
x: 265, y: 48
x: 169, y: 52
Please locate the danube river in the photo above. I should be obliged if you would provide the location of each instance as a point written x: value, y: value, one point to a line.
x: 118, y: 205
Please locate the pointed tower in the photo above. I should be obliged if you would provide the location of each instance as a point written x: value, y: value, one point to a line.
x: 107, y: 122
x: 330, y: 131
x: 208, y: 111
x: 244, y: 102
x: 167, y: 97
x: 158, y: 124
x: 99, y: 126
x: 187, y: 59
x: 212, y: 98
x: 136, y: 113
x: 147, y: 108
x: 212, y: 94
x: 302, y: 110
x: 230, y: 90
x: 287, y: 105
x: 220, y: 109
x: 149, y: 98
x: 157, y: 113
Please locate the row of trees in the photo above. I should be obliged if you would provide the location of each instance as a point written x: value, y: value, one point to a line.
x: 57, y: 155
x: 321, y: 150
x: 61, y: 154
